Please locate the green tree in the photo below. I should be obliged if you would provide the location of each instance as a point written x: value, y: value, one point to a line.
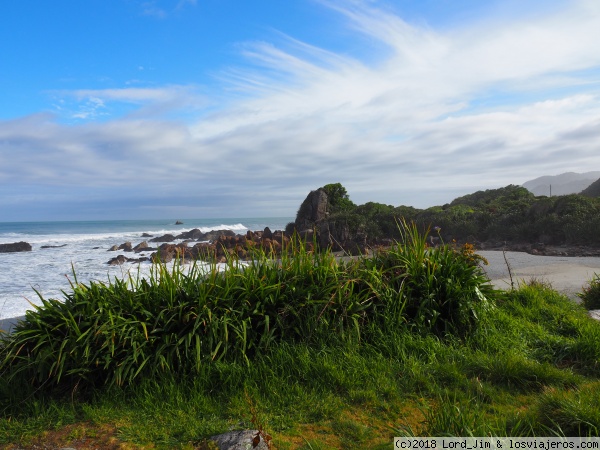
x: 339, y: 200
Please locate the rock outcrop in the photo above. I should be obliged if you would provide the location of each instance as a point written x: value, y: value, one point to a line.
x: 15, y: 247
x: 313, y: 210
x: 332, y: 230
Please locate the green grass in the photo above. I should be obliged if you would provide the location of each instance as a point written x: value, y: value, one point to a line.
x: 315, y: 352
x: 590, y: 295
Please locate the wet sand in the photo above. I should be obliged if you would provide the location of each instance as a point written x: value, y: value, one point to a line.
x: 566, y: 274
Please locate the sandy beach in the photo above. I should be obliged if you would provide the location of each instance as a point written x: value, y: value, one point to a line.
x: 566, y: 274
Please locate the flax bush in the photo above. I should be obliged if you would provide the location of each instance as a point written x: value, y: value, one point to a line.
x: 179, y: 321
x: 591, y: 294
x: 445, y: 288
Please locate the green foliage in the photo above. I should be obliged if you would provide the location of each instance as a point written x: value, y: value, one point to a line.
x: 509, y: 214
x: 503, y: 198
x: 591, y: 293
x: 529, y: 369
x: 178, y: 321
x: 446, y: 289
x: 339, y: 200
x: 414, y: 337
x: 573, y: 412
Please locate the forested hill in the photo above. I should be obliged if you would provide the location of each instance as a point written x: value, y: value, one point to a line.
x: 495, y: 217
x: 593, y: 190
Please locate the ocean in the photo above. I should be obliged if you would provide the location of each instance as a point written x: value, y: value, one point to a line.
x: 82, y: 247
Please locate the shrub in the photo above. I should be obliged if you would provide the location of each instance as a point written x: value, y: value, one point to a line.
x: 179, y: 321
x: 591, y: 294
x: 445, y: 288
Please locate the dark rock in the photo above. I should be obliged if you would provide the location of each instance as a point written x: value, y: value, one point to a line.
x: 146, y: 235
x: 114, y: 248
x: 307, y: 234
x: 167, y: 252
x: 216, y: 234
x: 140, y: 247
x: 314, y: 221
x: 267, y: 233
x: 204, y: 251
x: 117, y: 260
x: 121, y: 259
x: 127, y: 246
x: 15, y: 247
x: 241, y: 440
x: 314, y: 209
x: 179, y: 222
x: 53, y: 246
x: 164, y: 238
x: 194, y: 234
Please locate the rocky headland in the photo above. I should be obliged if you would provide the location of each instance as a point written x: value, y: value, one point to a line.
x: 509, y: 219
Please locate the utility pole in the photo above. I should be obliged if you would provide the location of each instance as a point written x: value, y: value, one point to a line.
x: 550, y: 190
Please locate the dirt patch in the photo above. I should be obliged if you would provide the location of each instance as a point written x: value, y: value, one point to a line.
x: 81, y: 436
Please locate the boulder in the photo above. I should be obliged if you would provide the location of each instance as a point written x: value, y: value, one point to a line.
x: 267, y: 233
x: 194, y: 234
x: 121, y: 259
x: 242, y: 440
x: 164, y: 238
x: 204, y: 251
x: 53, y: 246
x: 167, y: 252
x: 117, y: 260
x: 15, y: 247
x: 216, y: 234
x: 141, y: 247
x: 126, y: 246
x: 114, y: 248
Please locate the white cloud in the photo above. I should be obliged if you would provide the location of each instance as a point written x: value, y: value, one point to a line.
x: 90, y: 104
x: 432, y: 115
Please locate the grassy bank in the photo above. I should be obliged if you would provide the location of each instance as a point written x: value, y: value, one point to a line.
x: 317, y: 353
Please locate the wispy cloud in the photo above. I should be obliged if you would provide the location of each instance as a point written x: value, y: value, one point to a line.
x: 92, y: 104
x: 426, y: 116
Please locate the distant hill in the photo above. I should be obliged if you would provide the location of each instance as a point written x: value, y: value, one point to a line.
x: 593, y: 190
x: 563, y: 184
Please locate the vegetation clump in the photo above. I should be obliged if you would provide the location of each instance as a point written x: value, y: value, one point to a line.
x: 312, y: 350
x: 511, y: 214
x: 176, y: 322
x: 590, y: 295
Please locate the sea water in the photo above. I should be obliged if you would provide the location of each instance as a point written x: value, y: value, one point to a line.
x: 80, y: 248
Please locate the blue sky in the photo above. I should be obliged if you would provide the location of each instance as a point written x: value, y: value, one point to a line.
x: 133, y: 109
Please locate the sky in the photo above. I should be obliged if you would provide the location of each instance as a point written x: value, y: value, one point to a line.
x: 152, y: 109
